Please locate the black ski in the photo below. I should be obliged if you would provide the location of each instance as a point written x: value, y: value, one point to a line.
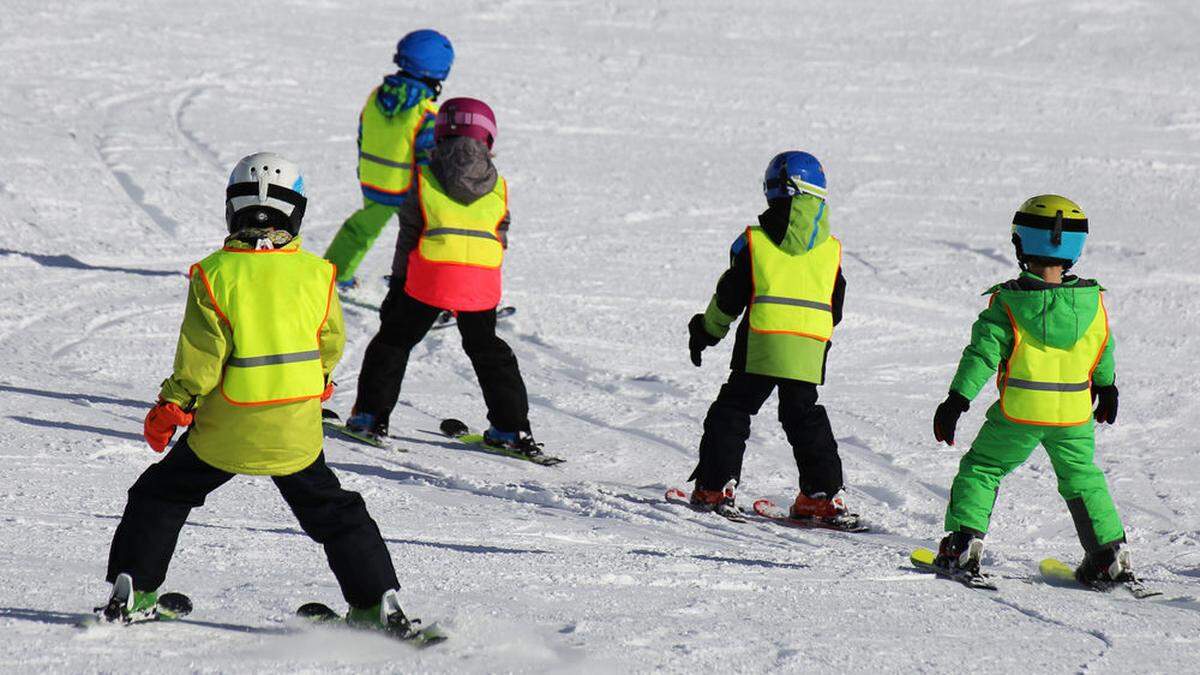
x: 447, y: 319
x: 320, y: 613
x: 170, y: 607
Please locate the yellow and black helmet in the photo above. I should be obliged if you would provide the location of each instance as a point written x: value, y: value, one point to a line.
x: 1049, y: 228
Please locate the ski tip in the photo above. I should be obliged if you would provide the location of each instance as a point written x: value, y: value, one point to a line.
x: 317, y: 611
x: 1053, y: 568
x: 675, y: 493
x: 453, y: 428
x: 174, y: 605
x: 764, y: 507
x: 922, y: 556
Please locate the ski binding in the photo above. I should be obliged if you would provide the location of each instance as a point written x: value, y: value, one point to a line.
x: 922, y: 559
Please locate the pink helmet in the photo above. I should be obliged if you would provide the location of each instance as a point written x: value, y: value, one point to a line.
x: 465, y: 117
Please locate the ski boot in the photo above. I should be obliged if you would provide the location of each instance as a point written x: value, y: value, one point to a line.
x: 385, y: 616
x: 818, y: 506
x: 961, y: 552
x: 1106, y: 568
x: 825, y: 511
x: 126, y: 605
x: 722, y: 501
x: 388, y: 618
x: 365, y: 424
x: 517, y: 441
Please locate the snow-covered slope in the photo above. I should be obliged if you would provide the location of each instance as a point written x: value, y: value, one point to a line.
x: 634, y: 133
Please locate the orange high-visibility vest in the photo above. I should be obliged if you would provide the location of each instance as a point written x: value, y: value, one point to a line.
x: 456, y: 263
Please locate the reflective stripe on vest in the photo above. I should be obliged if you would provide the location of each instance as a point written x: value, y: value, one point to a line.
x: 1049, y: 386
x: 275, y: 303
x: 456, y: 262
x: 793, y: 293
x: 386, y: 153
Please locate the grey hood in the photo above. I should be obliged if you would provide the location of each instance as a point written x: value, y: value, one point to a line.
x: 464, y: 168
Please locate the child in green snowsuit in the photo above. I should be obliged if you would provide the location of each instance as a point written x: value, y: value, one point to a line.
x: 395, y: 135
x: 1046, y: 334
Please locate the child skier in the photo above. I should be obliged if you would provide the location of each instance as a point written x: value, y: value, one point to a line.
x: 261, y: 333
x: 395, y: 134
x: 453, y: 235
x: 787, y: 270
x: 1046, y: 334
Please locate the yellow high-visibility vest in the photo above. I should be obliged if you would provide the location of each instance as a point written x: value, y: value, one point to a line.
x: 791, y: 307
x: 465, y: 234
x: 1049, y: 386
x: 275, y: 303
x: 386, y: 156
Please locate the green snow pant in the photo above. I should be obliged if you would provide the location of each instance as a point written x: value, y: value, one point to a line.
x: 1002, y: 446
x: 356, y: 236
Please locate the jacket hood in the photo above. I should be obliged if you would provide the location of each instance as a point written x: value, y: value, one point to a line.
x: 797, y: 225
x: 1056, y: 315
x: 464, y: 168
x: 250, y: 238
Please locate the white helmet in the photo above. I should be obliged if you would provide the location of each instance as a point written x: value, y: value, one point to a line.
x: 265, y: 190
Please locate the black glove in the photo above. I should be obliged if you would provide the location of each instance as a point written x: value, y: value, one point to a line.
x: 945, y: 419
x: 699, y: 338
x: 1106, y: 410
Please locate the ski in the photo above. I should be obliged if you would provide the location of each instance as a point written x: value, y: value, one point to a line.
x: 849, y: 522
x: 922, y: 559
x: 170, y: 607
x: 333, y: 422
x: 460, y: 432
x: 347, y: 299
x: 1057, y: 573
x: 320, y: 613
x: 445, y: 319
x: 732, y: 514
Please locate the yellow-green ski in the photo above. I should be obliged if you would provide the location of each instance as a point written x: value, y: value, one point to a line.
x: 1057, y: 573
x: 922, y: 559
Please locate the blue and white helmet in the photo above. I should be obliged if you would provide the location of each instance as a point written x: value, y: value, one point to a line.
x: 792, y: 173
x: 265, y: 190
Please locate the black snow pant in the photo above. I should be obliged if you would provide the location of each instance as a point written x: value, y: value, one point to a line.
x: 404, y: 321
x: 805, y: 423
x: 164, y: 495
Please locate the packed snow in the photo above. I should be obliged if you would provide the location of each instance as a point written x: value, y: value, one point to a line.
x: 633, y: 134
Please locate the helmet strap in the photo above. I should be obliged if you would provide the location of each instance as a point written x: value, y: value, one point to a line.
x: 1056, y: 233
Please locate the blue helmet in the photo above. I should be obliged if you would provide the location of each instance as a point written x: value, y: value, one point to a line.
x: 792, y: 173
x: 425, y: 54
x: 1049, y: 228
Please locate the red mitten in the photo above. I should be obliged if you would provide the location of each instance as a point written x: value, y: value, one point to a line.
x: 161, y: 422
x: 328, y: 393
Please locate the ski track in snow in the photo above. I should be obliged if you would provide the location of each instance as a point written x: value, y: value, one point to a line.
x: 633, y: 135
